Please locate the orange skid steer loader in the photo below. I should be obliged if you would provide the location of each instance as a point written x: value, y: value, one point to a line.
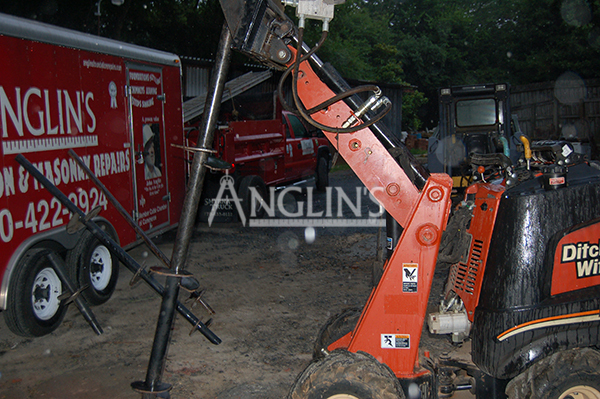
x: 523, y: 244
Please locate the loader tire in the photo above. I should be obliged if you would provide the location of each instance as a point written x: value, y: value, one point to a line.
x: 571, y: 374
x: 335, y: 328
x: 346, y: 375
x: 33, y: 305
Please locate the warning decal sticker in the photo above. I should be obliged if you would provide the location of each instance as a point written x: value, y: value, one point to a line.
x: 410, y: 277
x: 395, y: 341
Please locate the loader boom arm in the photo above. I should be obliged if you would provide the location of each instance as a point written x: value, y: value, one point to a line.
x: 391, y: 322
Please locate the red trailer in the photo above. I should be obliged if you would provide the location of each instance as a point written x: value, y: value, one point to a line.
x: 119, y: 106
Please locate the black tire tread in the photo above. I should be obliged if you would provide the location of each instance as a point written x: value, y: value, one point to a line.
x: 560, y: 370
x: 341, y: 369
x: 19, y: 319
x: 86, y: 243
x: 335, y: 328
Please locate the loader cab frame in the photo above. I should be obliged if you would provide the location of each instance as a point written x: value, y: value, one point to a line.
x: 473, y: 119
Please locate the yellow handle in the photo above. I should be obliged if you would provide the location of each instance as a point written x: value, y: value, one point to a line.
x: 526, y: 146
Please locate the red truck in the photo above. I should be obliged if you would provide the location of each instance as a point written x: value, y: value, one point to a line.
x: 265, y: 153
x: 119, y: 107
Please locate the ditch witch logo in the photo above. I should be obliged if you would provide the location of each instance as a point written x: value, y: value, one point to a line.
x: 305, y: 215
x: 585, y: 256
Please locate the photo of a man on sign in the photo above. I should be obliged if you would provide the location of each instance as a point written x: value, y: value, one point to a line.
x: 151, y: 169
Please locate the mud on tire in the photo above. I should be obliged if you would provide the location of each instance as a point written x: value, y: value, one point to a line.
x: 335, y: 328
x: 350, y: 375
x: 568, y: 374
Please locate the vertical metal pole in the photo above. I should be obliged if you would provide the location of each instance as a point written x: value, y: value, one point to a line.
x: 205, y: 140
x: 187, y: 220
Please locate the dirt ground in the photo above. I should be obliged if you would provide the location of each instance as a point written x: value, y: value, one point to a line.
x: 270, y: 288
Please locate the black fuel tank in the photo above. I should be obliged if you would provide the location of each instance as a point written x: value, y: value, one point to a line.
x: 517, y: 279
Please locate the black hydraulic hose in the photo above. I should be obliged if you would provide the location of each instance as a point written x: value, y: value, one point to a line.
x: 416, y: 172
x: 287, y: 72
x: 302, y: 110
x: 327, y: 103
x: 341, y: 96
x: 306, y: 113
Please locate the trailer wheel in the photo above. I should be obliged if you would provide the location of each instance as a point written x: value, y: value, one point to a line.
x: 91, y: 263
x: 572, y: 374
x: 33, y: 308
x: 347, y: 375
x: 245, y: 194
x: 322, y: 174
x: 335, y: 328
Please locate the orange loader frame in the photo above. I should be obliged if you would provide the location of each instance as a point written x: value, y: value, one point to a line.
x: 391, y: 323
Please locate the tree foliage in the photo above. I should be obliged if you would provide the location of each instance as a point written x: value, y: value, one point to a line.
x: 424, y: 43
x: 436, y: 43
x: 441, y: 42
x: 185, y: 27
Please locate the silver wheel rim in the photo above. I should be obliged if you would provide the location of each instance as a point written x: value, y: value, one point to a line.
x: 581, y: 392
x: 44, y: 294
x: 100, y: 268
x: 342, y: 396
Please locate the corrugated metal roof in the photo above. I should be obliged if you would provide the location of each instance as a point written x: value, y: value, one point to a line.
x: 194, y: 107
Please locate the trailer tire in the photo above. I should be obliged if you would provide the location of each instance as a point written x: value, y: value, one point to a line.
x: 245, y: 194
x: 346, y: 375
x: 568, y: 374
x: 33, y: 308
x: 335, y: 328
x: 322, y: 174
x: 91, y: 263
